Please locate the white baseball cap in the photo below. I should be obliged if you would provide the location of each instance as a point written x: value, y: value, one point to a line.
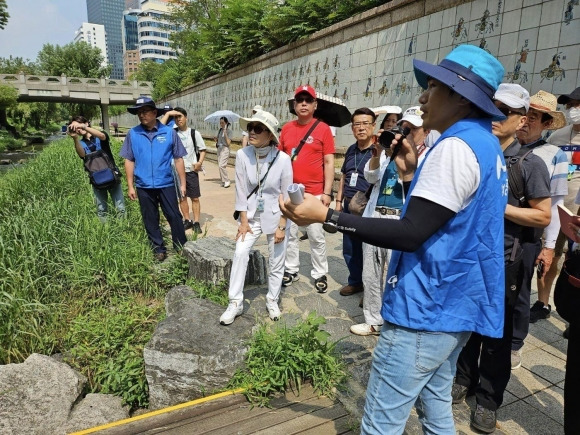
x: 513, y: 96
x: 413, y: 115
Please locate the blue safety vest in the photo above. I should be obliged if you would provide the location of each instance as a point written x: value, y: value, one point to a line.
x: 455, y: 281
x: 152, y: 157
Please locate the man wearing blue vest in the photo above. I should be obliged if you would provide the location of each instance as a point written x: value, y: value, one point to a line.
x: 148, y: 150
x: 446, y: 275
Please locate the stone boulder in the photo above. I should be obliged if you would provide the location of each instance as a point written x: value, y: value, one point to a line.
x: 190, y: 354
x: 43, y: 395
x: 210, y: 260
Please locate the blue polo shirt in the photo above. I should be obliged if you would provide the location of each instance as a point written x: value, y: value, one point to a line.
x: 354, y: 161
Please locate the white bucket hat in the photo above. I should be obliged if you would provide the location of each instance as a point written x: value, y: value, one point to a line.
x: 413, y: 115
x: 263, y: 117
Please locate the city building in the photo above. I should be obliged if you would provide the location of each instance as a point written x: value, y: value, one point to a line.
x: 130, y: 38
x: 154, y: 29
x: 95, y: 36
x: 110, y: 13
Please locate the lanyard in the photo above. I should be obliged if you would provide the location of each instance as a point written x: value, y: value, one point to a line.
x: 361, y: 159
x: 260, y: 188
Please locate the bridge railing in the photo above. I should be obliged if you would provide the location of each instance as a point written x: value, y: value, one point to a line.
x: 24, y: 79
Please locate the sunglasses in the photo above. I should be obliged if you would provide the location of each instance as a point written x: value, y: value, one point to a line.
x: 256, y: 128
x: 508, y: 112
x: 144, y: 110
x: 308, y: 100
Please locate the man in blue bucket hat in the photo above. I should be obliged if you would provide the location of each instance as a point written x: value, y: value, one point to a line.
x: 446, y: 275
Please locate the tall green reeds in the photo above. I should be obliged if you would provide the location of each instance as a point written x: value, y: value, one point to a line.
x: 60, y: 266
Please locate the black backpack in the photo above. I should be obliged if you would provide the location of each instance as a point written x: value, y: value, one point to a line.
x: 102, y: 171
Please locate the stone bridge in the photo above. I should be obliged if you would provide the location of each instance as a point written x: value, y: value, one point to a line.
x: 63, y: 89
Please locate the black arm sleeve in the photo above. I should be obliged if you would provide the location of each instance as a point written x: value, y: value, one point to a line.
x: 422, y: 219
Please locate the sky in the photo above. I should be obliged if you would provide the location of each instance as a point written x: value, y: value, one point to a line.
x: 33, y: 23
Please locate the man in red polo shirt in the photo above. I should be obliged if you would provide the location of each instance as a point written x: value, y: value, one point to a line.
x: 313, y: 166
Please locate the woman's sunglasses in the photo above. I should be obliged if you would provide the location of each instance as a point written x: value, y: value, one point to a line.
x: 256, y: 128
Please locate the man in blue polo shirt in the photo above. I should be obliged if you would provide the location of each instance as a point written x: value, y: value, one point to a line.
x: 148, y: 150
x: 446, y: 274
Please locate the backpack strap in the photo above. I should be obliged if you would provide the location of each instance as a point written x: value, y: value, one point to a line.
x: 91, y: 146
x: 303, y: 141
x: 194, y: 143
x: 516, y: 176
x: 265, y: 175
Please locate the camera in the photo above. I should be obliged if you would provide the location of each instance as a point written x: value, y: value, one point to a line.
x: 387, y: 136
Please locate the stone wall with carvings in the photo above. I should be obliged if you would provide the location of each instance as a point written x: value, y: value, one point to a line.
x: 367, y: 60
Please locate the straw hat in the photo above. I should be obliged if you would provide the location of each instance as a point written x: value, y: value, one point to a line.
x: 546, y: 103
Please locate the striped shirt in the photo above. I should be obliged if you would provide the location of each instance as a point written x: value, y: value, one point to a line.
x: 557, y: 163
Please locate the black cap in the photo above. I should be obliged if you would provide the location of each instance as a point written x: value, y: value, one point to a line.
x: 574, y: 95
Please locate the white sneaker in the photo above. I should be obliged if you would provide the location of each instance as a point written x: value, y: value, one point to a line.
x: 364, y: 329
x: 273, y: 310
x: 227, y: 184
x: 516, y: 359
x: 234, y: 310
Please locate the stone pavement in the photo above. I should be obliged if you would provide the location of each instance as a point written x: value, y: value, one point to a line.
x: 533, y: 402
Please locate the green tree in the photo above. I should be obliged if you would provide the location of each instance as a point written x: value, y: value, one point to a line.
x: 8, y: 98
x: 77, y: 59
x: 3, y: 14
x: 15, y: 65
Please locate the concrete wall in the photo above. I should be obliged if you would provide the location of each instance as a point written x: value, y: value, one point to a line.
x: 367, y: 60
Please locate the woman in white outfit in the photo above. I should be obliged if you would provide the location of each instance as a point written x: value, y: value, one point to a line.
x: 262, y: 174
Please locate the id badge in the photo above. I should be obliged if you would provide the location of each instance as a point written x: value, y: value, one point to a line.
x: 389, y: 187
x: 260, y: 207
x: 353, y: 179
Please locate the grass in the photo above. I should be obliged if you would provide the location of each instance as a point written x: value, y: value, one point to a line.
x: 71, y: 284
x: 279, y: 358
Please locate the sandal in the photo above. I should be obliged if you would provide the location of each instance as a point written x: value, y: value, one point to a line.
x: 289, y: 278
x: 321, y: 284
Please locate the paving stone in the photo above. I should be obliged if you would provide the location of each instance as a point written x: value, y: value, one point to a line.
x: 523, y: 383
x: 544, y: 364
x: 550, y: 402
x: 316, y: 302
x: 522, y: 418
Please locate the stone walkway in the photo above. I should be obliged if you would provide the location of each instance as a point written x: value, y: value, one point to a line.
x: 533, y: 402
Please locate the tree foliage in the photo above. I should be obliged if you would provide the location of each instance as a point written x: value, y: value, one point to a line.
x: 77, y: 59
x: 217, y: 35
x: 8, y: 96
x: 3, y: 14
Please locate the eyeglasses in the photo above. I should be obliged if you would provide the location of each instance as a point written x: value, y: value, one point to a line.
x: 507, y: 112
x: 365, y: 124
x: 256, y: 128
x: 308, y: 100
x: 144, y: 110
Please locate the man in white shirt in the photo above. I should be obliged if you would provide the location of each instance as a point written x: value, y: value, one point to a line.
x: 195, y: 146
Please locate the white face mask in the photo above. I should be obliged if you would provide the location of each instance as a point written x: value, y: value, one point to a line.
x: 573, y: 115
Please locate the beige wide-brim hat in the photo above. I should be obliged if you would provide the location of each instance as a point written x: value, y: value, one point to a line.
x: 546, y: 103
x: 263, y: 117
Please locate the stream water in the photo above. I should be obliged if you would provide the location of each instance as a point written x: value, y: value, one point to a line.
x: 16, y: 158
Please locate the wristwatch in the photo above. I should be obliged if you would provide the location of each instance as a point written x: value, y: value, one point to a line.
x: 281, y: 228
x: 331, y: 223
x: 330, y: 195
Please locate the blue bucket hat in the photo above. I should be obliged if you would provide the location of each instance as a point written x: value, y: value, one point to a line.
x: 471, y: 72
x: 145, y: 101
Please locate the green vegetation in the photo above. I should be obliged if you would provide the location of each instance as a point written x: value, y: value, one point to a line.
x: 216, y: 35
x: 4, y: 15
x: 283, y: 358
x: 71, y: 284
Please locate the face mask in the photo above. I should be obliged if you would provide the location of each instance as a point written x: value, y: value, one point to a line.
x: 573, y: 115
x: 263, y: 151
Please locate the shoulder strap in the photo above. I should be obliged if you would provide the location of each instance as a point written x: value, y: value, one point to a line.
x: 303, y: 141
x: 192, y: 130
x: 264, y: 177
x: 516, y: 176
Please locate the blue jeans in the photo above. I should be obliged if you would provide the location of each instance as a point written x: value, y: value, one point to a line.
x: 101, y: 197
x: 412, y: 368
x: 352, y: 253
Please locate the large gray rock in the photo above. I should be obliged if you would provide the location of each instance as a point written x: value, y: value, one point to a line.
x: 95, y: 410
x: 210, y: 260
x: 190, y: 354
x: 37, y: 396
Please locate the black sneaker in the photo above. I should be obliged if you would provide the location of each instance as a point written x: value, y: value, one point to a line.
x: 539, y: 311
x: 458, y: 393
x: 484, y: 419
x: 187, y: 224
x: 197, y: 228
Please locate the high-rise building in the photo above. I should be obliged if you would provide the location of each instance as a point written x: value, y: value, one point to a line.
x: 132, y: 4
x: 154, y: 30
x: 110, y: 13
x: 94, y: 35
x: 130, y: 41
